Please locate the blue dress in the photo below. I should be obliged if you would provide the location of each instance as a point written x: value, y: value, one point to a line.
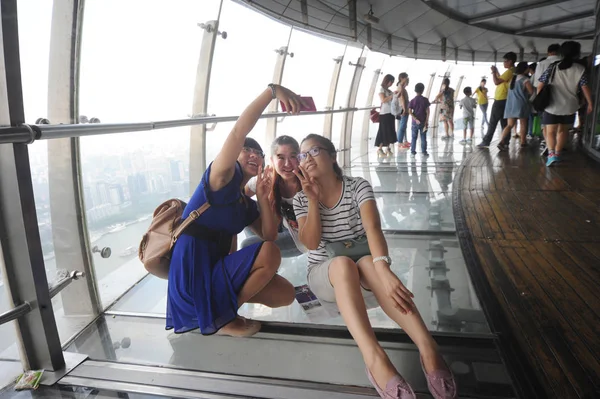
x: 517, y: 102
x: 203, y: 284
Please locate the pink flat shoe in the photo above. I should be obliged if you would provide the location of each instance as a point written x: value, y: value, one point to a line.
x: 441, y: 383
x: 396, y: 388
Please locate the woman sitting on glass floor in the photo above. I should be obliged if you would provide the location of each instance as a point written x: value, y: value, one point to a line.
x: 335, y: 209
x: 208, y: 279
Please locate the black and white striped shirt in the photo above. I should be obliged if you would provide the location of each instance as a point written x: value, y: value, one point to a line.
x: 341, y: 222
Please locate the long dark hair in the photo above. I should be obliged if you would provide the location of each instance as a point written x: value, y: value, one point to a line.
x: 386, y: 79
x: 275, y: 194
x: 446, y: 82
x: 520, y: 69
x: 570, y: 51
x: 330, y: 148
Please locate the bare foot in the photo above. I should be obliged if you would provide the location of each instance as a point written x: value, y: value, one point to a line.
x: 240, y: 327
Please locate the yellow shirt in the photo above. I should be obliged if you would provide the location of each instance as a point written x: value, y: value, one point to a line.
x: 481, y: 95
x: 502, y: 88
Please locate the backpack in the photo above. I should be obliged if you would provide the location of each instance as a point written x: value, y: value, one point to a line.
x: 157, y: 244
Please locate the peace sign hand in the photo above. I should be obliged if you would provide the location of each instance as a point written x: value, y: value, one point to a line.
x: 310, y: 185
x: 264, y: 182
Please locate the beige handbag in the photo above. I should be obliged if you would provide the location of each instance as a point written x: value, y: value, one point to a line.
x: 166, y: 227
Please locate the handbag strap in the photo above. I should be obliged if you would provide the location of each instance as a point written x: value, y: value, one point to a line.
x: 553, y: 66
x: 195, y: 214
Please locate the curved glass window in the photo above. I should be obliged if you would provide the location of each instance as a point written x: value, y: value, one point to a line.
x: 143, y: 67
x: 135, y: 72
x: 343, y: 89
x: 242, y: 68
x: 309, y: 73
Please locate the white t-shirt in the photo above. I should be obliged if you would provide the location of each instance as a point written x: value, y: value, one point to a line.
x: 541, y: 68
x: 289, y: 219
x: 565, y: 84
x: 468, y: 105
x: 386, y: 108
x: 341, y: 222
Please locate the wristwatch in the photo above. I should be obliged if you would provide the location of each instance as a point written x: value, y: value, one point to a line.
x: 386, y: 259
x: 273, y: 90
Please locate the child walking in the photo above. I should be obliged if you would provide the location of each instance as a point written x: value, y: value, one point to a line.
x: 468, y: 105
x: 419, y: 110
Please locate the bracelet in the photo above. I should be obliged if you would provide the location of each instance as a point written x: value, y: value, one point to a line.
x: 386, y: 259
x: 273, y: 90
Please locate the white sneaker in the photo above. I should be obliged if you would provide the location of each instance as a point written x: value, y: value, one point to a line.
x: 463, y: 141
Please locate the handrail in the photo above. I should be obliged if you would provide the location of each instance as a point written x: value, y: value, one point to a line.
x: 24, y: 308
x: 15, y: 313
x: 61, y: 284
x: 28, y: 133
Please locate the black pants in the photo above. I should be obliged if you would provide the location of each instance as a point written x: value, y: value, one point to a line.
x: 497, y: 115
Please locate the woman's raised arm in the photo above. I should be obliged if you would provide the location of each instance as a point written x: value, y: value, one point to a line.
x: 223, y: 166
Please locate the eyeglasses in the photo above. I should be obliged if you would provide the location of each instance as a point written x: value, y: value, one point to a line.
x: 287, y: 210
x: 254, y: 151
x: 313, y: 152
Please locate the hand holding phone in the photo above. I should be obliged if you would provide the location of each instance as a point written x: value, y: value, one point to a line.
x: 307, y: 105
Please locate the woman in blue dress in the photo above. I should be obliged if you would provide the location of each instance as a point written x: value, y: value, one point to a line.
x: 208, y: 279
x: 517, y: 106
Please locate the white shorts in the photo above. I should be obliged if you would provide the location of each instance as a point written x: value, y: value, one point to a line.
x: 320, y: 285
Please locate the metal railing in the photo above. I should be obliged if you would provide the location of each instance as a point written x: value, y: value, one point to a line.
x: 24, y: 308
x: 26, y: 134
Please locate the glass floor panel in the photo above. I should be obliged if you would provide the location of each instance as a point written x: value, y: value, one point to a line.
x: 431, y: 267
x: 417, y: 179
x: 416, y: 211
x: 72, y: 392
x: 144, y: 341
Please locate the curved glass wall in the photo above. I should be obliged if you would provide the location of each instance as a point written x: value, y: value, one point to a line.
x: 309, y: 73
x: 243, y: 65
x: 351, y: 56
x: 126, y: 176
x: 143, y: 67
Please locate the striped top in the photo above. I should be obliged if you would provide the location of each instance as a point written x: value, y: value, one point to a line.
x: 341, y: 222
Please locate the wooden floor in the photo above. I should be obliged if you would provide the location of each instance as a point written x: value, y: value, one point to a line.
x: 534, y: 235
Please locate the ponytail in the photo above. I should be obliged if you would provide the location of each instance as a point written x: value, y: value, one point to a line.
x: 570, y: 51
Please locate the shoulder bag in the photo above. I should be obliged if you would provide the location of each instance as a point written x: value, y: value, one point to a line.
x: 352, y: 248
x: 157, y: 244
x: 542, y: 100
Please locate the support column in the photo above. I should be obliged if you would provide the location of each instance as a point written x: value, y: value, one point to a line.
x: 200, y: 105
x: 458, y: 86
x: 335, y: 77
x: 430, y: 85
x: 69, y: 226
x: 282, y: 54
x: 364, y: 138
x: 347, y: 121
x: 19, y: 235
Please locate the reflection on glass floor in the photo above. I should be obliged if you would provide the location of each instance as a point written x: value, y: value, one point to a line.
x: 431, y: 267
x: 415, y: 178
x: 144, y: 341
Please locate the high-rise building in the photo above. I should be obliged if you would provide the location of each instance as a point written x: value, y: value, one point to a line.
x: 115, y: 194
x: 177, y: 171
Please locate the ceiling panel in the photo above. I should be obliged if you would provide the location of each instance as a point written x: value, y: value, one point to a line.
x: 409, y: 19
